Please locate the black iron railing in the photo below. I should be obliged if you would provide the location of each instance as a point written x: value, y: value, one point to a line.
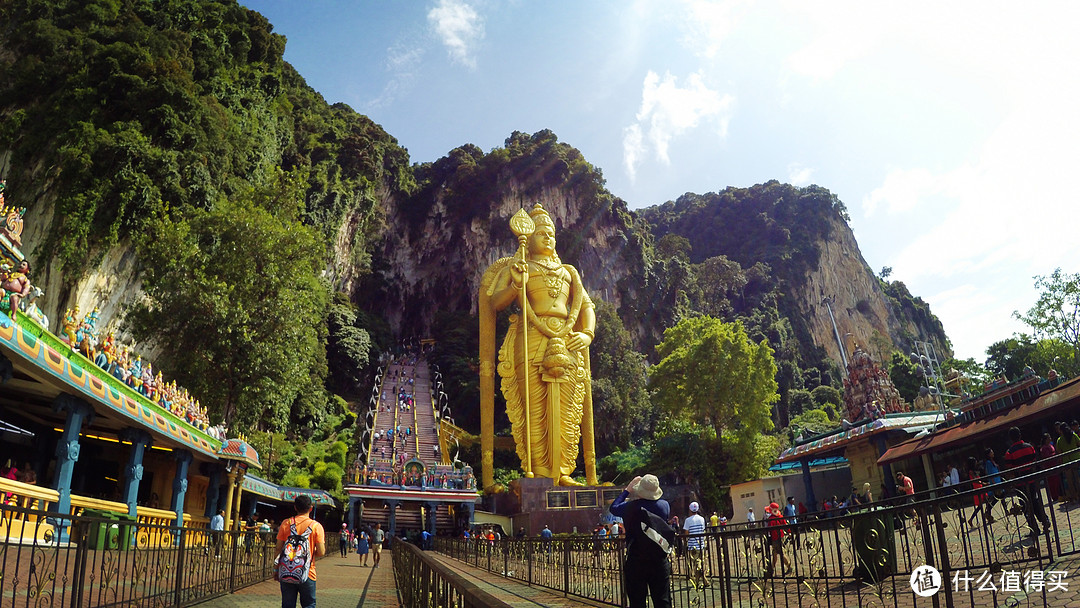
x: 976, y: 538
x: 55, y: 560
x: 423, y: 581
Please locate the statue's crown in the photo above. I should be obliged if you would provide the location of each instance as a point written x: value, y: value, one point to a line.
x: 540, y: 216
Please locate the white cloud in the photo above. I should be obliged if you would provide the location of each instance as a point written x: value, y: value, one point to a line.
x: 459, y: 27
x: 709, y: 23
x: 980, y: 232
x: 799, y: 175
x: 402, y: 61
x: 403, y: 57
x: 668, y: 111
x: 843, y: 32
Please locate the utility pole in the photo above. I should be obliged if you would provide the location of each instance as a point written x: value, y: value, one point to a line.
x: 925, y: 357
x: 828, y: 302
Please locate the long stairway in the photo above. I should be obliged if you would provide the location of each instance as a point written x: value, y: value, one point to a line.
x: 413, y: 381
x: 406, y: 414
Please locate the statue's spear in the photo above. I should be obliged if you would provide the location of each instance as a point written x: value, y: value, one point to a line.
x: 523, y: 226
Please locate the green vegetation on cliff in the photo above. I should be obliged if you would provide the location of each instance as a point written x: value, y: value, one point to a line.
x: 118, y: 110
x: 177, y: 126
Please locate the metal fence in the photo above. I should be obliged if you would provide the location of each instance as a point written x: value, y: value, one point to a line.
x: 50, y: 559
x: 423, y: 582
x: 982, y: 542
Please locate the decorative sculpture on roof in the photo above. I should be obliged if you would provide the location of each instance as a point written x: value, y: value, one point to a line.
x: 32, y: 310
x: 15, y: 285
x: 81, y: 332
x: 544, y: 359
x: 13, y: 219
x: 868, y: 391
x: 70, y: 325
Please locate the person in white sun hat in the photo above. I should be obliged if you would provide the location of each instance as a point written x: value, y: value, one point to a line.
x: 649, y: 540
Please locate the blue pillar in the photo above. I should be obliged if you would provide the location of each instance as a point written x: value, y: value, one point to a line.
x: 133, y: 474
x: 351, y: 516
x: 180, y: 484
x: 213, y: 491
x: 808, y: 483
x: 393, y: 504
x: 67, y: 449
x: 432, y: 509
x: 470, y: 509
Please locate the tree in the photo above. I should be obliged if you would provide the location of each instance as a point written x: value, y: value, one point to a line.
x: 620, y: 399
x: 1009, y: 357
x: 904, y: 376
x: 812, y: 422
x: 234, y: 298
x: 826, y: 394
x: 348, y: 346
x: 886, y: 272
x: 1056, y: 314
x: 711, y: 372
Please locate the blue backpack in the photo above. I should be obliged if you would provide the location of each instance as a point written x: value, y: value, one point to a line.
x: 294, y: 563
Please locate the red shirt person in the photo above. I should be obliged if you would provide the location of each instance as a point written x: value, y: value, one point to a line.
x: 1019, y: 461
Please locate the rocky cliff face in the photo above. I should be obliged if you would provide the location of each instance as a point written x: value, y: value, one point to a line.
x: 864, y: 313
x: 109, y: 286
x: 430, y: 264
x: 434, y: 264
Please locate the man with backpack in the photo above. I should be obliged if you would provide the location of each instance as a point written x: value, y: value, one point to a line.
x: 649, y: 541
x: 300, y: 540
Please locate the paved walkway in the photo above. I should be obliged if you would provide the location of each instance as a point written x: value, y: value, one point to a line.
x: 342, y: 583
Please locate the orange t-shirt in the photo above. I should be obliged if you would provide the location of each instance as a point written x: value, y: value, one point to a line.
x: 317, y: 535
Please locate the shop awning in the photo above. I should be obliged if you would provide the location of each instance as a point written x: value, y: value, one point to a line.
x: 831, y: 461
x: 1046, y: 405
x: 834, y: 443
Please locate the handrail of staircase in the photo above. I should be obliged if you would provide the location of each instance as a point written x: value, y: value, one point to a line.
x: 423, y: 580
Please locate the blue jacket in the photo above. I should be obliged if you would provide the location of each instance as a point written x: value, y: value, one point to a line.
x: 631, y: 514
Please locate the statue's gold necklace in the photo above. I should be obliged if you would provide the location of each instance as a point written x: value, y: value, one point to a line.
x: 549, y: 268
x: 552, y: 279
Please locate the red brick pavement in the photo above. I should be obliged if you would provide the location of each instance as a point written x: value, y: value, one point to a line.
x: 342, y: 583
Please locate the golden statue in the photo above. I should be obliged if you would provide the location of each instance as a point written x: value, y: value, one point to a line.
x: 544, y: 359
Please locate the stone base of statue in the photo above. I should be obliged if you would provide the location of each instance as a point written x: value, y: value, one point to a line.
x: 534, y: 503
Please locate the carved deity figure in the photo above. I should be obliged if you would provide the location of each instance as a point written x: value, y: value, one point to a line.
x: 71, y: 325
x: 544, y: 359
x: 16, y: 285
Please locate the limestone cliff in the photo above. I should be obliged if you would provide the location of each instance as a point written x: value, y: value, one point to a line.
x: 437, y: 245
x: 864, y: 313
x: 802, y: 237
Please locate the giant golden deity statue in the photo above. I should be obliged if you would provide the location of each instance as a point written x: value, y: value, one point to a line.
x: 544, y: 359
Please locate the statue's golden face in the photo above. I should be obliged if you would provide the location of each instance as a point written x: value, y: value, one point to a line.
x: 542, y: 241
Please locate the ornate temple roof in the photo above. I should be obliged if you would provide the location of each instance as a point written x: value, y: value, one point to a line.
x: 238, y: 449
x: 262, y: 487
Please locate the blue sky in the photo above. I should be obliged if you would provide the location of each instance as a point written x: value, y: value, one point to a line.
x: 950, y: 130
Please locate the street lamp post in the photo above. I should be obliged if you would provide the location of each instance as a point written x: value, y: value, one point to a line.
x: 828, y: 302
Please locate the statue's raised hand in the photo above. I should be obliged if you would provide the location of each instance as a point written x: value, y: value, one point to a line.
x: 519, y: 274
